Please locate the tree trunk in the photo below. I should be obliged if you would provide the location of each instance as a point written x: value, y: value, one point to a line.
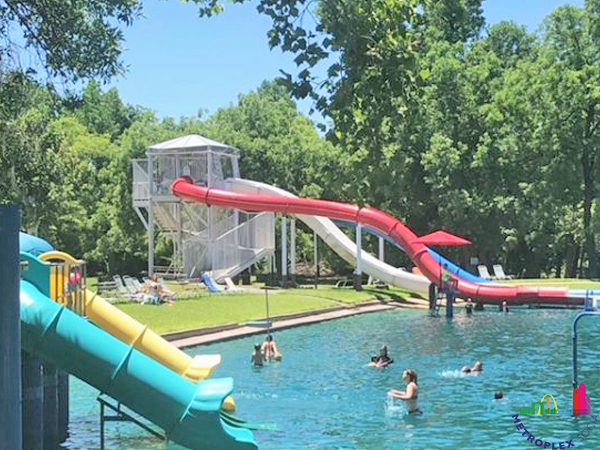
x: 588, y: 198
x: 571, y: 258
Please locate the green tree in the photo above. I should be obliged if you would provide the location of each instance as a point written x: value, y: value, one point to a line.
x: 71, y: 38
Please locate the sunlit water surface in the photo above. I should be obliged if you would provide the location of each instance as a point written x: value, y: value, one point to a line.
x: 322, y: 395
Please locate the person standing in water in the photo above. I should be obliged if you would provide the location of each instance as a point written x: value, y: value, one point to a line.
x: 411, y: 394
x: 269, y: 348
x: 257, y: 358
x: 469, y: 307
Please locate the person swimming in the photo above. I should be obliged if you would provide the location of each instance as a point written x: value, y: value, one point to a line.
x: 477, y: 367
x: 498, y: 395
x: 411, y: 394
x: 257, y: 358
x: 383, y: 359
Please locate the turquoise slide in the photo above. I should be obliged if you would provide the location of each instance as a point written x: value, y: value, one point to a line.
x: 189, y: 413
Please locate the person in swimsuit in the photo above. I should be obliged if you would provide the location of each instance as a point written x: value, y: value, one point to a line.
x: 269, y: 348
x: 383, y: 359
x: 411, y: 394
x: 257, y: 358
x: 477, y: 367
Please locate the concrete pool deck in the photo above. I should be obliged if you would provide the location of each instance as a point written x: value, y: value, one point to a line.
x: 201, y: 336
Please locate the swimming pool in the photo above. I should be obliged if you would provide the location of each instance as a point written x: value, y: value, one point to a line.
x: 323, y: 397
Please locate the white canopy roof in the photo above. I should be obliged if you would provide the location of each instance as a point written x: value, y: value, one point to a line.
x: 188, y: 144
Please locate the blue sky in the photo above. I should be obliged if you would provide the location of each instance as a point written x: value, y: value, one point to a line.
x: 179, y: 64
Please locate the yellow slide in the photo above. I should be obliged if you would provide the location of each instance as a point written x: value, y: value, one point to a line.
x: 130, y: 331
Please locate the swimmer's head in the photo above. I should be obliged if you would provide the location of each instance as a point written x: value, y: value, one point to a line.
x: 269, y: 337
x: 409, y: 375
x: 498, y: 395
x: 256, y: 346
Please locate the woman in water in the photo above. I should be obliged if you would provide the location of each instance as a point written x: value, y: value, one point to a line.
x: 383, y: 359
x: 411, y: 393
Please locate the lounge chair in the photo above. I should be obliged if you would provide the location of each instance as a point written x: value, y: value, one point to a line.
x: 132, y: 284
x: 231, y: 287
x: 483, y: 272
x: 124, y: 291
x: 499, y: 272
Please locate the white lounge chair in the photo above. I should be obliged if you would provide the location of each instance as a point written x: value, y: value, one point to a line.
x: 124, y: 290
x: 231, y: 287
x: 499, y: 272
x: 483, y: 272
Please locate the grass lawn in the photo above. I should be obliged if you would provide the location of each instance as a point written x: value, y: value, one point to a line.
x: 572, y: 283
x: 205, y: 310
x: 200, y: 309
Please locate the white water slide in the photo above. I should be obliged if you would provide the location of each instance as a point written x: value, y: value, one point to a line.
x: 338, y: 241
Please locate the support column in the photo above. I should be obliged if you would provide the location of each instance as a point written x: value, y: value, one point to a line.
x: 432, y: 296
x: 315, y: 259
x: 381, y: 249
x: 358, y: 269
x: 10, y: 330
x: 150, y: 215
x: 293, y: 251
x: 50, y: 407
x: 450, y: 294
x: 33, y: 402
x: 284, y: 262
x: 63, y: 406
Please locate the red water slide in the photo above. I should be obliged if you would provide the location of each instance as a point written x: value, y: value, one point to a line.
x: 404, y: 236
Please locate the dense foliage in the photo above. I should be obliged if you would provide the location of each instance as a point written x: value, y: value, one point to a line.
x: 489, y: 132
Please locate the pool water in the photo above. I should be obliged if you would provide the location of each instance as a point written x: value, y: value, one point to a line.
x: 323, y: 396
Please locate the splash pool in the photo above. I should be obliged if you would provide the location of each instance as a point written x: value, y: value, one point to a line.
x: 323, y: 397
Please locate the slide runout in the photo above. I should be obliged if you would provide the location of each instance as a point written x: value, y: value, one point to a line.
x: 379, y: 220
x: 189, y: 413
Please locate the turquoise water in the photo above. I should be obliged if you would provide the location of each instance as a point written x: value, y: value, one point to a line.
x: 323, y: 397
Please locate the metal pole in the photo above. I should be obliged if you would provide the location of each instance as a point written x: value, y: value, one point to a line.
x: 267, y: 307
x: 293, y: 250
x: 10, y: 331
x: 33, y: 402
x: 151, y: 216
x: 574, y: 339
x: 284, y: 262
x: 358, y: 270
x: 381, y: 249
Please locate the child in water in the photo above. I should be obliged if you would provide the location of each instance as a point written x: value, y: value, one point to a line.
x: 257, y: 358
x: 383, y: 359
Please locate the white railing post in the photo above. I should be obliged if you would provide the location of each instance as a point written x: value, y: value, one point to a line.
x: 293, y: 250
x: 284, y: 250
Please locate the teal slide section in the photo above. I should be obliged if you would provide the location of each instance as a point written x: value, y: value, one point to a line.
x: 189, y: 413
